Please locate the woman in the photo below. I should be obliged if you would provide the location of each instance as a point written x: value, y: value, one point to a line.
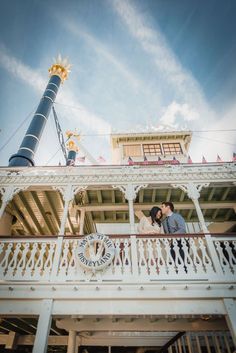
x: 151, y: 224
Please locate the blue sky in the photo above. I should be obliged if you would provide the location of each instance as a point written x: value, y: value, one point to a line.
x: 136, y: 66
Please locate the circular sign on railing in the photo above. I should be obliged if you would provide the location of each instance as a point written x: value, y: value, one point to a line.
x: 95, y: 251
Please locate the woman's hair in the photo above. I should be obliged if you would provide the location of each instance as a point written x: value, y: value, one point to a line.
x: 153, y: 213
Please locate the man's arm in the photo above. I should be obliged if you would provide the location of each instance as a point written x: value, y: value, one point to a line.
x: 180, y: 222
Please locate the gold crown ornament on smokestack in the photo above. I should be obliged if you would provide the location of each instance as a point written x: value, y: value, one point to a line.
x: 60, y: 67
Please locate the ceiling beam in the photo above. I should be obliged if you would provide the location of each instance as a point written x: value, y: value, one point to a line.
x: 215, y: 214
x: 178, y: 206
x: 52, y: 209
x: 181, y: 199
x: 168, y: 195
x: 225, y: 194
x: 140, y: 196
x: 113, y: 196
x: 48, y: 225
x: 211, y: 194
x: 154, y: 195
x: 99, y: 196
x: 189, y: 215
x: 21, y: 218
x: 22, y: 200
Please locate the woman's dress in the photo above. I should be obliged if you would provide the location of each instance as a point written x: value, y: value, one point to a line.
x: 145, y: 227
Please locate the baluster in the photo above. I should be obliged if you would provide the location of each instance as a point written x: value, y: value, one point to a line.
x: 188, y: 262
x: 223, y: 260
x: 151, y: 261
x: 29, y: 268
x: 117, y: 262
x: 179, y: 263
x: 126, y: 260
x: 13, y: 262
x: 73, y: 268
x: 230, y: 255
x: 22, y: 263
x: 161, y: 264
x: 207, y: 263
x: 2, y: 256
x: 197, y: 262
x: 5, y: 260
x: 38, y: 269
x: 49, y: 261
x: 63, y: 266
x: 142, y: 263
x: 170, y: 264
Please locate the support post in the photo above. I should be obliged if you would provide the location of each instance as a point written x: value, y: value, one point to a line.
x: 230, y: 306
x: 134, y: 256
x: 71, y: 347
x: 131, y: 215
x: 56, y: 259
x: 130, y: 191
x: 43, y: 327
x: 81, y: 223
x: 193, y: 192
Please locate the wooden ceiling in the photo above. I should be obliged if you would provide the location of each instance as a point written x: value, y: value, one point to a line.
x: 39, y: 211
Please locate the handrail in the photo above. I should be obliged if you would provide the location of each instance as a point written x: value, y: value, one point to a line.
x: 185, y: 235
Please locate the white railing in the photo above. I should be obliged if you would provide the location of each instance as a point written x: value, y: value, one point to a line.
x: 136, y: 259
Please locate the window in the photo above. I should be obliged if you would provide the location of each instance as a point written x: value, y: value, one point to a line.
x: 171, y: 148
x: 152, y: 149
x: 132, y: 150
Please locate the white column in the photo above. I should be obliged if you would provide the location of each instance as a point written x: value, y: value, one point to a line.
x: 56, y: 258
x: 134, y: 256
x: 71, y: 347
x: 200, y: 215
x: 193, y: 192
x: 81, y: 222
x: 230, y: 306
x: 131, y: 216
x: 43, y: 327
x: 67, y: 196
x: 130, y: 195
x: 130, y: 191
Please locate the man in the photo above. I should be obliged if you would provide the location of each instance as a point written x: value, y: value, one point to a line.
x: 174, y: 222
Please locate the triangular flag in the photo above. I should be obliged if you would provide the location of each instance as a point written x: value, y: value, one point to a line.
x: 101, y: 159
x: 175, y: 161
x: 145, y: 160
x: 189, y: 160
x: 160, y: 161
x: 204, y: 160
x: 130, y: 161
x: 234, y: 156
x: 218, y: 159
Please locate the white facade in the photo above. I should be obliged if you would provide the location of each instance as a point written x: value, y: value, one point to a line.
x: 145, y: 295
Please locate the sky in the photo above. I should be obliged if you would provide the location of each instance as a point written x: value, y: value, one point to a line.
x: 137, y: 65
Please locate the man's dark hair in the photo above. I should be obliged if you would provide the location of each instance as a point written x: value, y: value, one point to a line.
x: 170, y: 204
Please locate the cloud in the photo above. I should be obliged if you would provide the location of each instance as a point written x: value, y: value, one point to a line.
x: 180, y: 112
x: 65, y: 96
x: 184, y: 85
x: 21, y: 71
x: 100, y: 49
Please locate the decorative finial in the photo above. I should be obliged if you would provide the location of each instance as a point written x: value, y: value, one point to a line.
x: 60, y: 67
